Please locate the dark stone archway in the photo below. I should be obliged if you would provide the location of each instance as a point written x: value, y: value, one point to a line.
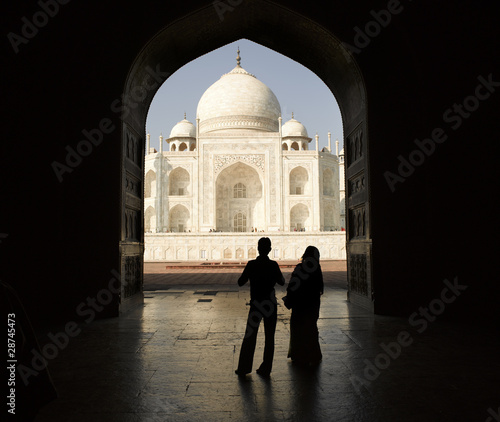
x: 306, y: 42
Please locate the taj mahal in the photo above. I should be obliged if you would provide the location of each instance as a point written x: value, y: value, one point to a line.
x: 239, y: 173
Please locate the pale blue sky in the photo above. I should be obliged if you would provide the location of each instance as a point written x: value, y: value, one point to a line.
x: 297, y: 88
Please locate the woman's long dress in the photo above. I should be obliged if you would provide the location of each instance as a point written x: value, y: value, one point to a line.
x: 304, y: 291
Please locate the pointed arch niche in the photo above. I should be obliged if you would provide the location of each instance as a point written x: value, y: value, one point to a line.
x: 299, y: 218
x: 178, y: 182
x: 150, y: 186
x: 299, y: 181
x: 150, y: 220
x: 239, y: 198
x: 179, y: 219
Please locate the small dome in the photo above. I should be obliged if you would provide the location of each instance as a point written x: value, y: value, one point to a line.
x: 341, y: 151
x: 183, y: 129
x: 294, y: 128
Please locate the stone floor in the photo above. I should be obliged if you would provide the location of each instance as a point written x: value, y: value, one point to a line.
x: 174, y: 358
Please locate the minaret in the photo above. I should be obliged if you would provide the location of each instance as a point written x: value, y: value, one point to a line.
x: 337, y: 147
x: 198, y: 211
x: 159, y: 189
x: 148, y: 143
x: 330, y: 143
x: 280, y: 167
x: 317, y: 142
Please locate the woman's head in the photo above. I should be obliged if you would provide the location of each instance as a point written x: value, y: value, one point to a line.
x: 310, y: 259
x: 311, y: 252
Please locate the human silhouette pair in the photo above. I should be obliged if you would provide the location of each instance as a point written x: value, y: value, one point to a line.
x: 263, y: 274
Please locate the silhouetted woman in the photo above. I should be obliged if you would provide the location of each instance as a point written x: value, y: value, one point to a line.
x: 303, y: 297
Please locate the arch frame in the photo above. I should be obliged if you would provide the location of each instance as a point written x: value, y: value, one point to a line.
x: 247, y: 163
x: 227, y: 168
x: 251, y: 165
x: 267, y: 23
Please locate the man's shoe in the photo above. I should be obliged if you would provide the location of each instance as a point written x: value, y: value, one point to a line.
x: 240, y: 373
x: 265, y: 374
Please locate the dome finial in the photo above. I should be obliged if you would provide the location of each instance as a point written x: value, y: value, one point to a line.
x: 292, y: 114
x: 184, y: 115
x: 238, y: 58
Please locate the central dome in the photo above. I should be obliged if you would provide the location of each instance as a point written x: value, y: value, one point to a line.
x: 238, y: 100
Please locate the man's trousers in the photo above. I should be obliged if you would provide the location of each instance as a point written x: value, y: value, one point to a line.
x: 267, y: 311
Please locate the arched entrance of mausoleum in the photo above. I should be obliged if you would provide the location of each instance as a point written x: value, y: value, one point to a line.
x: 239, y: 202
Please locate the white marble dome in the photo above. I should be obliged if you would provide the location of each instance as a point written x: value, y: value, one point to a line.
x: 294, y: 128
x: 183, y: 129
x: 238, y: 100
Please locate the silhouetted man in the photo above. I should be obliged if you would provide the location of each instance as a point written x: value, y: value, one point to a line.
x: 263, y: 274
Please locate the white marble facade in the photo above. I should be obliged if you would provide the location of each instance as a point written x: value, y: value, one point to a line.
x: 236, y: 175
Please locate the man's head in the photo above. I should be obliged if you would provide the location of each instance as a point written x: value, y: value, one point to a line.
x: 264, y: 246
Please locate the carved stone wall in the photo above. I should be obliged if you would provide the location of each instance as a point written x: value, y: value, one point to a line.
x: 132, y: 152
x: 132, y: 224
x: 357, y: 184
x: 132, y: 275
x: 357, y: 222
x: 132, y: 209
x: 358, y: 280
x: 355, y: 146
x: 242, y: 122
x: 133, y: 186
x: 221, y: 161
